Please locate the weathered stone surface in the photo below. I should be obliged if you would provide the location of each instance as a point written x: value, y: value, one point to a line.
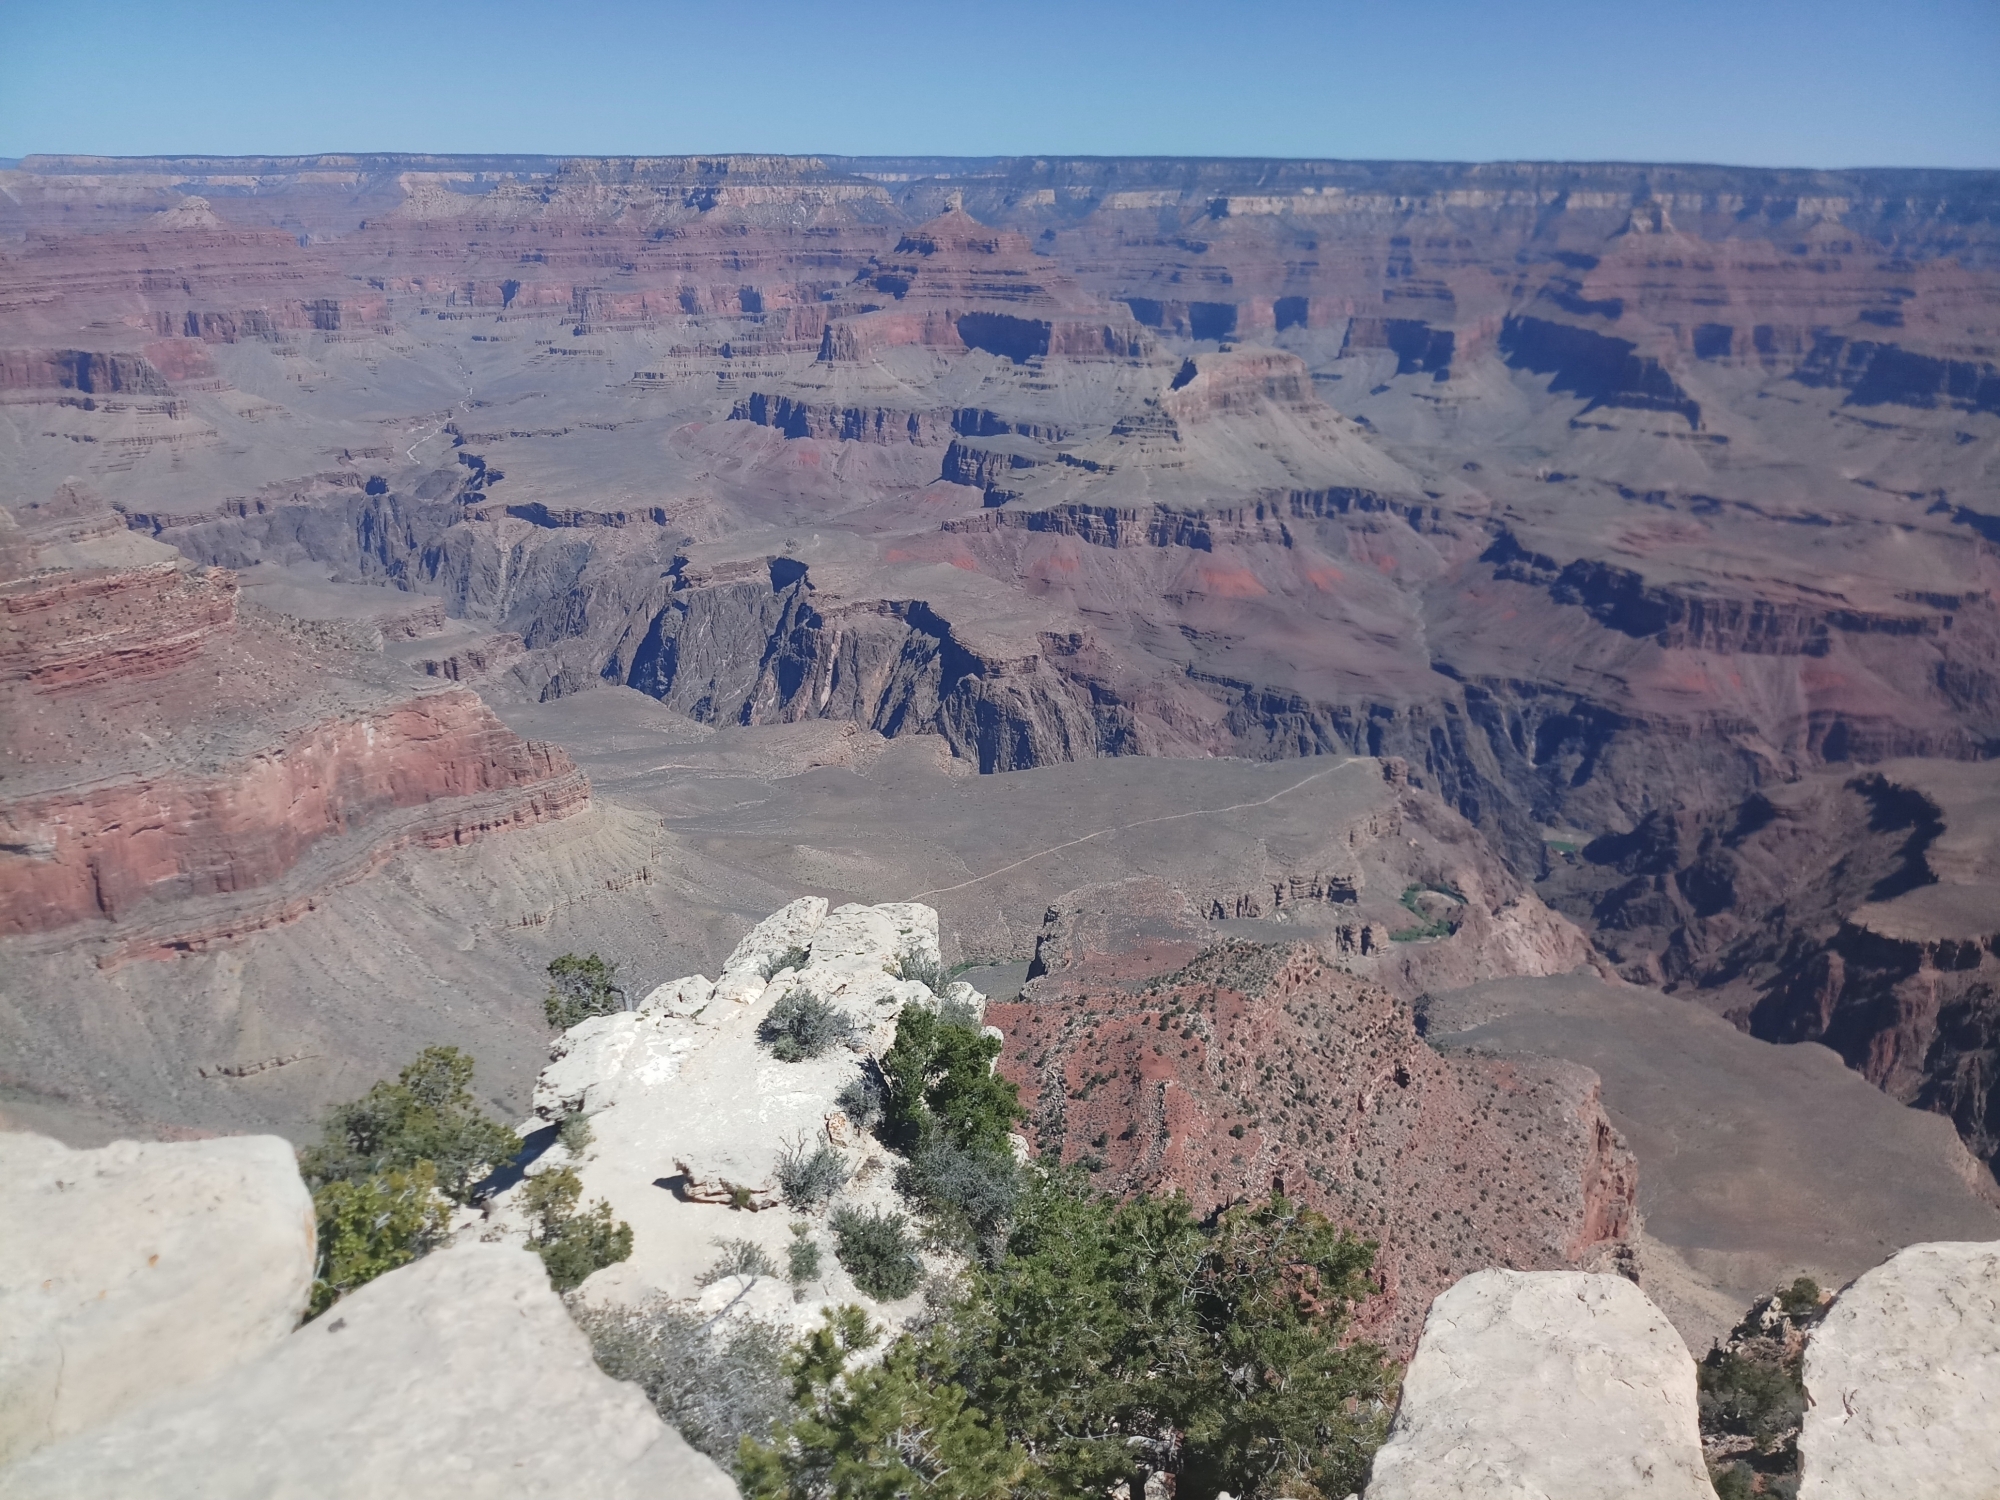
x: 750, y: 965
x: 1549, y: 1383
x: 137, y: 1269
x: 459, y: 1375
x: 1903, y: 1381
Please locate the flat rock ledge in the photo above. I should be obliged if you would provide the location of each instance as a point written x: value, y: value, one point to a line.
x: 1545, y: 1384
x: 1903, y: 1381
x: 137, y: 1269
x: 461, y: 1375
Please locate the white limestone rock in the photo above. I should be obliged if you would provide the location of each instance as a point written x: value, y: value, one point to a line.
x: 1545, y: 1383
x: 688, y: 996
x: 750, y: 964
x: 459, y: 1375
x: 594, y: 1063
x: 1903, y: 1381
x: 136, y: 1269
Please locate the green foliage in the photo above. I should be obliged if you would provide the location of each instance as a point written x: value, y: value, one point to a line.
x: 809, y: 1178
x: 371, y: 1226
x: 1108, y: 1342
x: 926, y: 971
x: 966, y: 1194
x: 427, y: 1115
x: 940, y: 1078
x: 800, y: 1025
x: 802, y: 1256
x: 875, y: 1249
x: 860, y: 1098
x: 793, y: 957
x: 580, y: 988
x: 1427, y: 926
x: 1800, y: 1299
x: 1754, y: 1388
x: 575, y: 1134
x: 572, y: 1244
x: 716, y: 1390
x: 738, y: 1258
x: 882, y: 1432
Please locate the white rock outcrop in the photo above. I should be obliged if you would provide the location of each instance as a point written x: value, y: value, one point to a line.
x: 1903, y: 1381
x: 691, y: 1113
x: 459, y: 1375
x: 137, y: 1269
x: 1545, y: 1383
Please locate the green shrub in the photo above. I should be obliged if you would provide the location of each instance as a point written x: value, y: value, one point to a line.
x: 572, y: 1244
x: 1110, y: 1341
x: 800, y: 1025
x: 881, y: 1431
x: 860, y: 1099
x: 925, y: 970
x: 371, y: 1226
x: 968, y: 1194
x: 580, y: 988
x: 427, y: 1115
x: 802, y: 1256
x: 575, y: 1134
x: 793, y: 957
x: 809, y: 1178
x: 875, y: 1250
x: 940, y: 1078
x: 715, y: 1389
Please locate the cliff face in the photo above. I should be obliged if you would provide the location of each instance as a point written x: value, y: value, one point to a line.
x: 245, y: 767
x: 1258, y: 1068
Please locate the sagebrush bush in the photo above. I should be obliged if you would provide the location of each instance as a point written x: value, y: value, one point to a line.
x: 580, y: 988
x: 793, y: 957
x: 925, y: 970
x: 968, y: 1193
x: 809, y: 1178
x: 802, y: 1255
x: 738, y: 1258
x: 714, y: 1389
x: 800, y: 1025
x: 860, y: 1098
x: 875, y: 1249
x: 575, y: 1134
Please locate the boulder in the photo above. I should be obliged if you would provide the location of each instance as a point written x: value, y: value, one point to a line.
x: 140, y: 1268
x: 1903, y: 1381
x: 754, y: 959
x: 1545, y: 1383
x: 459, y: 1375
x: 687, y: 996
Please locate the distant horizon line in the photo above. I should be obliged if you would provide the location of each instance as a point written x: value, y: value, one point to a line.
x: 556, y: 158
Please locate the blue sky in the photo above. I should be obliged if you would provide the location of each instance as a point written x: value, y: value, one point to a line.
x: 1764, y: 82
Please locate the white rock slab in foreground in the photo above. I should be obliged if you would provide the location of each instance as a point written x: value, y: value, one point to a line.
x: 1903, y: 1378
x: 460, y: 1375
x: 137, y: 1269
x: 1530, y: 1384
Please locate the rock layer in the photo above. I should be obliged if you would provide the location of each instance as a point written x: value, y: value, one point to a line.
x: 461, y: 1373
x: 133, y: 1271
x: 1551, y: 1383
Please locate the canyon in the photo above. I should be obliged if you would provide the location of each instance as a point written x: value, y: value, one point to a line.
x: 1437, y: 579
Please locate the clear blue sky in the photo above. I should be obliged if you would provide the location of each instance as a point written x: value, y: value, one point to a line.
x: 1767, y: 82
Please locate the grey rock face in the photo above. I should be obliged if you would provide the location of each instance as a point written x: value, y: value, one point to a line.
x: 1903, y: 1381
x: 1545, y: 1383
x: 459, y: 1375
x: 139, y: 1269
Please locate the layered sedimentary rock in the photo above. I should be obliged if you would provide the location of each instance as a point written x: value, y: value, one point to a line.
x: 1903, y: 1380
x: 177, y: 775
x: 1551, y: 1383
x: 130, y: 1272
x: 462, y: 1372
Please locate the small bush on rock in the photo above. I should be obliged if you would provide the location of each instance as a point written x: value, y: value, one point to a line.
x: 860, y: 1098
x: 968, y: 1194
x: 800, y: 1025
x: 738, y: 1258
x: 572, y: 1244
x: 372, y: 1226
x: 925, y: 970
x: 575, y: 1134
x: 427, y: 1115
x: 802, y: 1256
x: 875, y: 1250
x: 580, y: 988
x: 793, y: 957
x: 940, y: 1078
x: 809, y: 1178
x: 716, y: 1389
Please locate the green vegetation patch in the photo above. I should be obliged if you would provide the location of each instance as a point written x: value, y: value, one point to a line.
x: 580, y: 988
x: 1427, y: 926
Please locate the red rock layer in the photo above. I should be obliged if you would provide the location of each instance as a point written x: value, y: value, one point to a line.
x: 1257, y: 1068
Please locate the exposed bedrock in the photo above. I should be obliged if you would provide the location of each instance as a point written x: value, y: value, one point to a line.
x: 1547, y: 1383
x: 132, y: 1270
